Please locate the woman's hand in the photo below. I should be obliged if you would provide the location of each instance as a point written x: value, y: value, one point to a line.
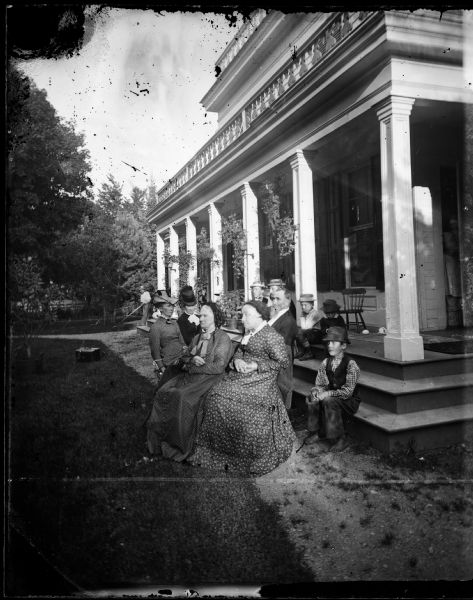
x: 198, y: 361
x: 244, y: 367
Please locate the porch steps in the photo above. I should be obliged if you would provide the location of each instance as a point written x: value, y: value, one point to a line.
x: 424, y: 412
x: 448, y: 364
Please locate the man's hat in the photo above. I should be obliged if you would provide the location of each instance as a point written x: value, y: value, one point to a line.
x: 278, y: 282
x: 257, y: 284
x: 330, y: 306
x: 187, y: 296
x: 336, y: 334
x: 307, y: 298
x: 164, y: 299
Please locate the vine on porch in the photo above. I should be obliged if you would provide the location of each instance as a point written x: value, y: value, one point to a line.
x: 233, y: 233
x: 185, y: 260
x: 282, y: 227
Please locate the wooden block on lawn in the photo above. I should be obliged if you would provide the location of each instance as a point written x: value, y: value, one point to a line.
x: 87, y: 354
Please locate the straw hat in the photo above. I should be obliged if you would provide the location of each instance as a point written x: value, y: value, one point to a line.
x: 307, y: 298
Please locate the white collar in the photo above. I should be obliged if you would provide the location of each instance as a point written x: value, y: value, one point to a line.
x: 249, y: 334
x: 279, y: 314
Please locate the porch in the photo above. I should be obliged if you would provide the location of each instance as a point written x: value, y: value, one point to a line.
x: 422, y: 403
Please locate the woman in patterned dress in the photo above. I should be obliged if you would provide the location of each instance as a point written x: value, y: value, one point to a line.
x: 246, y: 427
x: 175, y: 416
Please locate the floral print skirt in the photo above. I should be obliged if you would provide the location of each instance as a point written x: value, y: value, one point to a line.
x: 243, y: 431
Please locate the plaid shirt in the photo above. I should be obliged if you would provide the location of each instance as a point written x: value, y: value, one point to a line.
x: 353, y: 374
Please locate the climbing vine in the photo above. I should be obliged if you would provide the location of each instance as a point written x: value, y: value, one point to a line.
x: 282, y: 227
x: 233, y: 233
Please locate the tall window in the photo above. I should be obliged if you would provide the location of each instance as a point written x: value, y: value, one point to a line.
x: 348, y: 229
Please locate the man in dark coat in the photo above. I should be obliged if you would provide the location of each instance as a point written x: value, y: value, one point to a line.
x: 188, y: 321
x: 285, y: 324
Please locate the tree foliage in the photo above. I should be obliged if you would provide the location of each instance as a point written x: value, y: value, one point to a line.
x: 47, y: 176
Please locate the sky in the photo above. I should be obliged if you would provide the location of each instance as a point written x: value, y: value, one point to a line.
x: 134, y: 89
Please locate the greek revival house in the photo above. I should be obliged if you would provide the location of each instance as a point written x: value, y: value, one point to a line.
x: 353, y: 125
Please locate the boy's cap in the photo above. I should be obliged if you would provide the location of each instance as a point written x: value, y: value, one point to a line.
x: 307, y: 298
x: 279, y: 282
x: 336, y: 334
x: 257, y: 284
x: 330, y: 306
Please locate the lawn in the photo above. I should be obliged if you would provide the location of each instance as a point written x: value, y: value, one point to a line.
x: 85, y: 496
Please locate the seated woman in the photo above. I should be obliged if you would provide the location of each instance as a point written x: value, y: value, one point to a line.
x: 174, y: 418
x: 245, y: 426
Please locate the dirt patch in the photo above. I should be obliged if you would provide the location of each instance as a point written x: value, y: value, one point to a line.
x: 355, y: 516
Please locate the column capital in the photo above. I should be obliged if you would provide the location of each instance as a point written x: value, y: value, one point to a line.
x: 298, y: 160
x: 394, y: 105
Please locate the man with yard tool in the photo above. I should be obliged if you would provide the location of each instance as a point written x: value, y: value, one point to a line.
x: 334, y: 394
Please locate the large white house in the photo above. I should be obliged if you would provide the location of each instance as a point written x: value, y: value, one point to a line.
x: 357, y: 120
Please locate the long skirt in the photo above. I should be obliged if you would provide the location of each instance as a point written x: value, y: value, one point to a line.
x: 242, y: 431
x: 177, y: 413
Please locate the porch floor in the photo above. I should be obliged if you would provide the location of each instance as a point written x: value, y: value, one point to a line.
x: 372, y: 344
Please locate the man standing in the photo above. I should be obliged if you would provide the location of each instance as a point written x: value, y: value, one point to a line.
x: 285, y: 324
x: 145, y: 299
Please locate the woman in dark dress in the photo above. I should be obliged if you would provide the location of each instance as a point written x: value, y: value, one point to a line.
x: 245, y: 425
x: 175, y: 416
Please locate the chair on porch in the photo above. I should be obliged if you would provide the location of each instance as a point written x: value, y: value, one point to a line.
x: 353, y: 299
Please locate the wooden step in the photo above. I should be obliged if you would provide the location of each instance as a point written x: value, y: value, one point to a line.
x: 142, y: 329
x: 400, y: 396
x: 369, y: 357
x: 388, y: 431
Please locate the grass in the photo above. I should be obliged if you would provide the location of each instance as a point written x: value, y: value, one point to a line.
x: 102, y: 514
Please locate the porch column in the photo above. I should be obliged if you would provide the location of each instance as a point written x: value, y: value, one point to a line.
x: 402, y: 341
x: 160, y: 264
x: 174, y: 267
x: 216, y: 265
x: 191, y: 246
x: 250, y: 224
x: 303, y: 208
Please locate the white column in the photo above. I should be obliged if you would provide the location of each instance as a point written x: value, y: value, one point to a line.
x: 250, y: 224
x: 174, y: 267
x: 402, y: 341
x: 191, y: 246
x: 303, y: 208
x: 216, y: 265
x: 160, y: 265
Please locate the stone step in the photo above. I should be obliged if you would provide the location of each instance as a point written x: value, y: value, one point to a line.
x: 387, y: 431
x: 368, y: 359
x: 399, y: 396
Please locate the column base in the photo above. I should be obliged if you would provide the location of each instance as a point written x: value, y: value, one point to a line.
x: 403, y: 348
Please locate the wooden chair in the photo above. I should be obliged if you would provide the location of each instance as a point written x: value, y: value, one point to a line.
x: 353, y: 299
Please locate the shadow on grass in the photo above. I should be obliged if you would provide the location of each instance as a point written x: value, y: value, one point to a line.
x: 83, y: 490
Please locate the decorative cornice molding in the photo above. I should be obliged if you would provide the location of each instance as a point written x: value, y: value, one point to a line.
x: 335, y: 31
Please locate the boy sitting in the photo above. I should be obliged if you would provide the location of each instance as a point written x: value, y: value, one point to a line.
x: 334, y: 394
x: 309, y: 330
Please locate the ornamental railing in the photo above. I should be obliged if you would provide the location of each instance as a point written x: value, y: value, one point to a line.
x: 245, y: 32
x: 338, y: 28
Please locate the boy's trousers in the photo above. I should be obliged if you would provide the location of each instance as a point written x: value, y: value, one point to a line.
x: 326, y: 416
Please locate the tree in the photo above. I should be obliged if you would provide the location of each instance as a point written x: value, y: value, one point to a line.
x: 108, y: 259
x: 110, y: 197
x: 47, y: 185
x: 137, y: 203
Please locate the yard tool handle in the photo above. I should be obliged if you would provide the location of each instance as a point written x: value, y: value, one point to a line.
x: 129, y: 315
